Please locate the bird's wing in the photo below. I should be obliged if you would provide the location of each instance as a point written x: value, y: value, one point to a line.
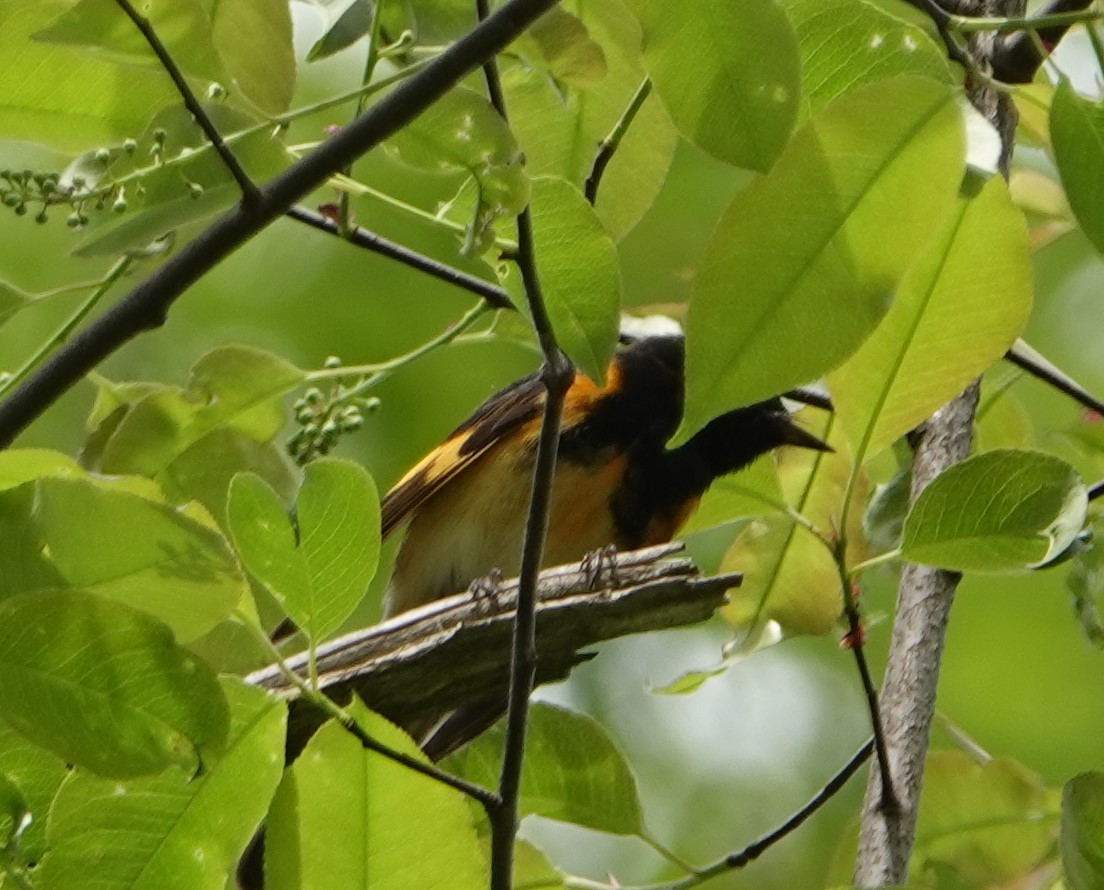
x: 508, y: 411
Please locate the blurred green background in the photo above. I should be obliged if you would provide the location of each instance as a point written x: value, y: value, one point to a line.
x: 723, y: 765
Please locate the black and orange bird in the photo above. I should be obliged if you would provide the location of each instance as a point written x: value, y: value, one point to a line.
x: 616, y: 482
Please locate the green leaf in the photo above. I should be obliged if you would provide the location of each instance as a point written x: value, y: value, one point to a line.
x: 723, y: 92
x: 1077, y: 133
x: 1085, y: 581
x: 960, y: 307
x: 169, y: 563
x: 346, y: 817
x: 560, y: 126
x: 354, y: 22
x: 573, y: 771
x: 997, y: 511
x: 70, y: 100
x: 204, y: 39
x: 559, y: 43
x: 319, y: 569
x: 234, y: 386
x: 263, y: 67
x: 105, y: 686
x: 192, y: 829
x: 192, y: 183
x: 847, y: 43
x: 183, y: 26
x: 13, y: 810
x: 12, y: 301
x: 1082, y: 838
x: 815, y: 247
x: 38, y: 774
x: 790, y: 576
x: 462, y: 132
x: 752, y: 491
x: 982, y: 824
x: 20, y: 465
x: 579, y: 274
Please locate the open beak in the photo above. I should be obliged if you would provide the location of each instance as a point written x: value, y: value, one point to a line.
x: 792, y: 434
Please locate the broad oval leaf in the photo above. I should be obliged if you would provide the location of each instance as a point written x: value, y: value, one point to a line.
x: 1082, y: 838
x: 169, y: 563
x: 723, y: 92
x: 579, y: 273
x: 960, y: 307
x: 346, y: 817
x: 104, y: 685
x: 846, y: 43
x: 980, y: 825
x: 1077, y: 133
x: 559, y: 43
x: 803, y: 264
x: 997, y: 511
x: 38, y: 773
x: 69, y: 100
x: 193, y: 828
x: 573, y: 771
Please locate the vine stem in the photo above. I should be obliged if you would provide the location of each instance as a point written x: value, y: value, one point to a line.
x: 610, y: 144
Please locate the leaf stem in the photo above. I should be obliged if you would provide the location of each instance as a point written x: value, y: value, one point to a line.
x: 117, y: 271
x: 609, y: 145
x: 1012, y: 24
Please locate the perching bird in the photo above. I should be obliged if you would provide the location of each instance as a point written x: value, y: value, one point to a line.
x: 616, y: 483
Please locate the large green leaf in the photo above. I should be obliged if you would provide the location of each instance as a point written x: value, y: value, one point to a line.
x: 38, y: 773
x: 980, y: 825
x: 997, y: 511
x: 579, y: 273
x: 559, y: 43
x: 723, y: 92
x: 803, y: 264
x: 959, y: 309
x: 174, y: 830
x: 846, y: 43
x: 62, y: 97
x: 167, y: 562
x: 573, y: 771
x: 203, y: 37
x: 347, y: 817
x: 1077, y: 133
x: 319, y: 568
x: 105, y: 686
x: 560, y: 126
x: 1082, y: 839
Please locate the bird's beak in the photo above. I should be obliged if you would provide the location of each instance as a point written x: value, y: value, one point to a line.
x: 792, y: 434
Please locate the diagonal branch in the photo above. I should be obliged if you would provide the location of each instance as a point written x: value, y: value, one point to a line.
x: 229, y: 159
x: 146, y: 306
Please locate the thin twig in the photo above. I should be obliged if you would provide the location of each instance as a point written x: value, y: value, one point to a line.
x: 146, y: 306
x: 609, y: 145
x: 1019, y: 356
x: 495, y: 296
x: 557, y: 375
x: 249, y: 191
x: 311, y: 693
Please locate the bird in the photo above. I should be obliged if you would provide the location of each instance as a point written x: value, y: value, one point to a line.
x: 616, y: 482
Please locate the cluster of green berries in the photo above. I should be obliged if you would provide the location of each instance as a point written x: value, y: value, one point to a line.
x: 323, y: 418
